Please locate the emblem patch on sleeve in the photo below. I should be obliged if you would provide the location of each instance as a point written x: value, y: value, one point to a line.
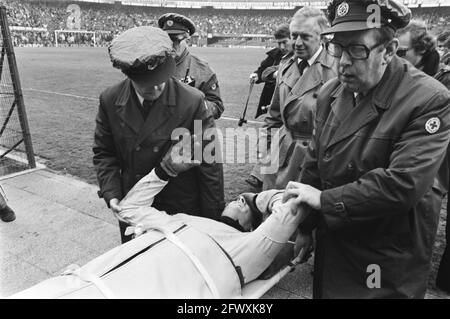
x: 214, y: 87
x: 433, y: 125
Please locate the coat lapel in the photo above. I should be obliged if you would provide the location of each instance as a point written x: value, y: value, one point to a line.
x: 353, y: 118
x: 311, y: 78
x: 128, y: 110
x: 160, y: 113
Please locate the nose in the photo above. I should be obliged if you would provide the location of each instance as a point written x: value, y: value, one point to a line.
x: 298, y: 41
x: 345, y: 59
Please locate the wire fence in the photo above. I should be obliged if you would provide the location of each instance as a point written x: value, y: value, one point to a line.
x: 16, y: 152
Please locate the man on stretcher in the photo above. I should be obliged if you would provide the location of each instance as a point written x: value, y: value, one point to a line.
x: 184, y: 256
x: 253, y: 229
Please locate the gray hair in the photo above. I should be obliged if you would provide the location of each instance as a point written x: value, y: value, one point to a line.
x: 311, y: 12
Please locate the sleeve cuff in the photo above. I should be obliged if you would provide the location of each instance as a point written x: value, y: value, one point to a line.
x: 161, y: 174
x: 333, y: 208
x: 108, y: 196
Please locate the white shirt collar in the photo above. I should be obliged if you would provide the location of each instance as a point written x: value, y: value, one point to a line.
x: 314, y: 57
x: 140, y: 98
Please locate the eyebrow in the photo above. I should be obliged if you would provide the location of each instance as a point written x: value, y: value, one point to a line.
x: 302, y: 33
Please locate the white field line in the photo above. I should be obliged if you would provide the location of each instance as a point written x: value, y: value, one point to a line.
x: 96, y: 99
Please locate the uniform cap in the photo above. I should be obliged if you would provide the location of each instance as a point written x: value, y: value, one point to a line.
x: 357, y: 15
x: 143, y: 53
x: 174, y: 23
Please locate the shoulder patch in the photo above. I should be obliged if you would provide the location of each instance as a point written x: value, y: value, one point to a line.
x: 433, y: 125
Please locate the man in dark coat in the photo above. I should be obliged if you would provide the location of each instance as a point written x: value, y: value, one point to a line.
x: 267, y: 74
x: 381, y: 135
x: 135, y: 123
x: 189, y: 68
x: 267, y: 71
x: 443, y: 275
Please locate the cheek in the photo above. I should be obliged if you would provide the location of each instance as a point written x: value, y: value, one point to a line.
x: 360, y: 69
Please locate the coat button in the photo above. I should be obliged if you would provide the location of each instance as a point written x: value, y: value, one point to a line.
x: 156, y: 149
x: 339, y: 207
x: 138, y: 148
x: 350, y: 166
x: 327, y: 156
x: 305, y: 143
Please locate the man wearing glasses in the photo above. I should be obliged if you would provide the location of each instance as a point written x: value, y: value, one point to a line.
x: 189, y: 68
x: 381, y: 135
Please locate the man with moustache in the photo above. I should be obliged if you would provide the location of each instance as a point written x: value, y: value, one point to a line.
x: 294, y: 100
x: 369, y: 177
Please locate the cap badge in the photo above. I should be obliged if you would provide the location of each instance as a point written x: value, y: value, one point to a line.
x: 169, y: 23
x: 342, y: 9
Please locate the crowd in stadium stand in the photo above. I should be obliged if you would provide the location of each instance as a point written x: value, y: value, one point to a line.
x: 109, y: 19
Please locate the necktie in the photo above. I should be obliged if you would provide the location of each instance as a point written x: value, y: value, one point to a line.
x: 358, y: 98
x: 302, y: 66
x: 146, y: 105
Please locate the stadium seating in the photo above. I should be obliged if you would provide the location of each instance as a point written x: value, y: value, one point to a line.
x: 109, y: 19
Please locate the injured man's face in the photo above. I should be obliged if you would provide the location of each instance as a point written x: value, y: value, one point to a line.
x: 238, y: 214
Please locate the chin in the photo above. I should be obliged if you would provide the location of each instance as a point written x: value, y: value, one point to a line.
x: 349, y: 87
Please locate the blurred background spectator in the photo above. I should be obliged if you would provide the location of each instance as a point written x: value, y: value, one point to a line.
x: 112, y: 19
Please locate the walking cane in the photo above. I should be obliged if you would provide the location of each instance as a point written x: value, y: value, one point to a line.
x: 242, y: 120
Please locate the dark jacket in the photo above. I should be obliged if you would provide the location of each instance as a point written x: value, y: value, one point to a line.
x: 190, y: 66
x: 443, y: 75
x: 376, y: 164
x: 443, y: 275
x: 273, y: 59
x: 126, y: 148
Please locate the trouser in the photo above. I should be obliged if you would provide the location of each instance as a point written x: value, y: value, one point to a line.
x: 443, y: 276
x: 261, y: 154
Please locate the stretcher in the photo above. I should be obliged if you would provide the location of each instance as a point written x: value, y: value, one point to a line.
x: 181, y: 263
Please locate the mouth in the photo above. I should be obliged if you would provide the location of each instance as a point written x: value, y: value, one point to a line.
x: 347, y: 76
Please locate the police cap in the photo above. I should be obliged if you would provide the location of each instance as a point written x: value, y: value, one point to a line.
x: 357, y: 15
x: 174, y: 23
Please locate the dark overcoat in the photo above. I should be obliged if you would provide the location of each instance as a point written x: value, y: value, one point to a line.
x: 376, y: 163
x: 127, y: 147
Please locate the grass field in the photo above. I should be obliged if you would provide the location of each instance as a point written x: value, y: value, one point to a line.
x: 61, y: 88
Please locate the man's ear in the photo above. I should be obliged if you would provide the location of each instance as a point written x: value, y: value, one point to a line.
x: 391, y: 51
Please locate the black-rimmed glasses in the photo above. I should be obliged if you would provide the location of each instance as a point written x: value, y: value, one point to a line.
x: 355, y: 51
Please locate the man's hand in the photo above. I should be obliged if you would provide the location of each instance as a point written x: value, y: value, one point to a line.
x: 303, y: 247
x: 303, y: 194
x: 179, y: 158
x: 253, y: 77
x: 268, y: 75
x: 114, y: 206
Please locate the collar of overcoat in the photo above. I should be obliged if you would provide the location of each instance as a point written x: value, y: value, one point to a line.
x: 128, y: 109
x: 352, y: 118
x: 311, y: 78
